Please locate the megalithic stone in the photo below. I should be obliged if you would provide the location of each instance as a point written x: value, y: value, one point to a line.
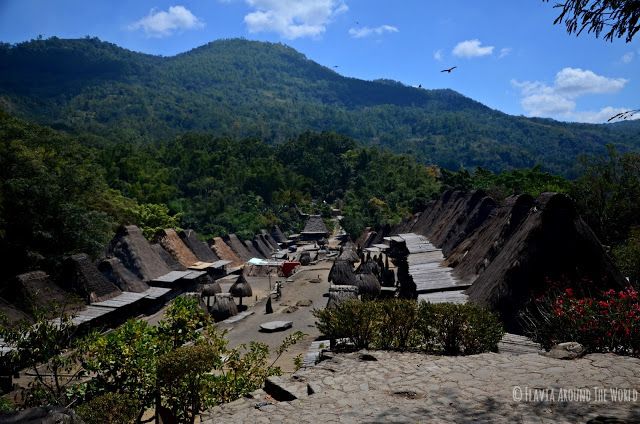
x: 269, y: 307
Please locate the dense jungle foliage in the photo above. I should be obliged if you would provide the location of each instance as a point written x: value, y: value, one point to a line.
x: 247, y: 89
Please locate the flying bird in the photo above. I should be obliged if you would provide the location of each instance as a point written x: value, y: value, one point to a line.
x: 449, y: 70
x: 335, y: 66
x: 419, y: 85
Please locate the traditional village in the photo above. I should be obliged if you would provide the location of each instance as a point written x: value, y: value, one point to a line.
x: 319, y: 211
x: 464, y: 248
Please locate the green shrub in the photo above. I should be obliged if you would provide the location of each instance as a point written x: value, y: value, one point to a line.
x: 398, y: 324
x: 110, y: 408
x: 450, y: 329
x: 353, y: 319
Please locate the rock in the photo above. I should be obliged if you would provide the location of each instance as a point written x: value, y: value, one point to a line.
x: 367, y: 357
x: 283, y: 390
x: 567, y: 350
x: 290, y: 309
x: 276, y: 326
x: 43, y: 415
x: 305, y: 302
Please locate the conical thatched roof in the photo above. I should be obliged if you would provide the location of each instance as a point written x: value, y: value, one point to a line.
x: 223, y: 251
x: 270, y: 240
x: 118, y: 274
x: 223, y: 307
x: 368, y: 285
x: 262, y: 247
x: 198, y: 247
x: 170, y: 260
x: 241, y: 288
x: 80, y: 275
x: 277, y: 234
x: 337, y: 296
x: 172, y: 243
x: 369, y: 267
x: 34, y: 291
x: 341, y: 273
x: 211, y: 289
x: 315, y: 226
x: 135, y: 252
x: 349, y: 254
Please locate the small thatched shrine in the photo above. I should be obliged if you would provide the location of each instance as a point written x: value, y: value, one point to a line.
x: 118, y: 274
x: 241, y: 288
x: 223, y: 307
x: 197, y: 246
x: 314, y: 229
x: 210, y: 290
x: 341, y: 273
x: 135, y: 252
x: 80, y: 275
x: 173, y: 244
x: 368, y: 285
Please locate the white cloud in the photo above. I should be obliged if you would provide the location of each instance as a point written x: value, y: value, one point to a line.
x: 559, y: 99
x: 293, y: 18
x: 438, y: 55
x: 366, y: 31
x: 627, y: 57
x: 505, y: 51
x: 164, y: 23
x: 472, y: 48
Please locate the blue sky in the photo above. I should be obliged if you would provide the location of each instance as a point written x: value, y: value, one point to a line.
x: 509, y: 54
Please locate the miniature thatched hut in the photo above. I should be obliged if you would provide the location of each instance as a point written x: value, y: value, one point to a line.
x: 341, y: 273
x: 368, y: 285
x: 118, y: 274
x: 223, y: 307
x: 241, y: 288
x: 80, y: 275
x: 197, y: 246
x: 135, y: 252
x: 209, y: 290
x: 173, y: 244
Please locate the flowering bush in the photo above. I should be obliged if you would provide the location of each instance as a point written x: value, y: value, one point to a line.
x: 609, y: 322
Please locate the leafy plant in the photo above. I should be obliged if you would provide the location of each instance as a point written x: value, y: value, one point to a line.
x: 110, y: 408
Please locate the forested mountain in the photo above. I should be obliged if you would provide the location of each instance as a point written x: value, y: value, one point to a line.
x: 241, y: 88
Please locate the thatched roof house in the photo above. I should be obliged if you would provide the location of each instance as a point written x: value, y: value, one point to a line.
x: 80, y: 275
x: 341, y: 273
x: 118, y: 274
x: 278, y: 235
x: 197, y: 246
x: 266, y: 236
x: 135, y: 252
x: 173, y: 244
x: 223, y: 251
x: 34, y: 291
x: 314, y: 229
x: 252, y: 249
x: 172, y: 262
x: 262, y: 247
x: 238, y: 247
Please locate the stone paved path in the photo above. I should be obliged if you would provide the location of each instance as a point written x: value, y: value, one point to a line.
x: 436, y: 389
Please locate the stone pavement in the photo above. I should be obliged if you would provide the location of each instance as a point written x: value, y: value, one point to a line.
x: 411, y: 387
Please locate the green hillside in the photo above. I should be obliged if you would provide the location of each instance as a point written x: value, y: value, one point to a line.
x: 243, y: 88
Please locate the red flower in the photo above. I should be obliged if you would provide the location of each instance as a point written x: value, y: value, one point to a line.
x: 569, y: 291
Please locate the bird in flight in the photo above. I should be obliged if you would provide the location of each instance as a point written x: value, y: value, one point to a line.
x: 335, y: 66
x: 449, y: 70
